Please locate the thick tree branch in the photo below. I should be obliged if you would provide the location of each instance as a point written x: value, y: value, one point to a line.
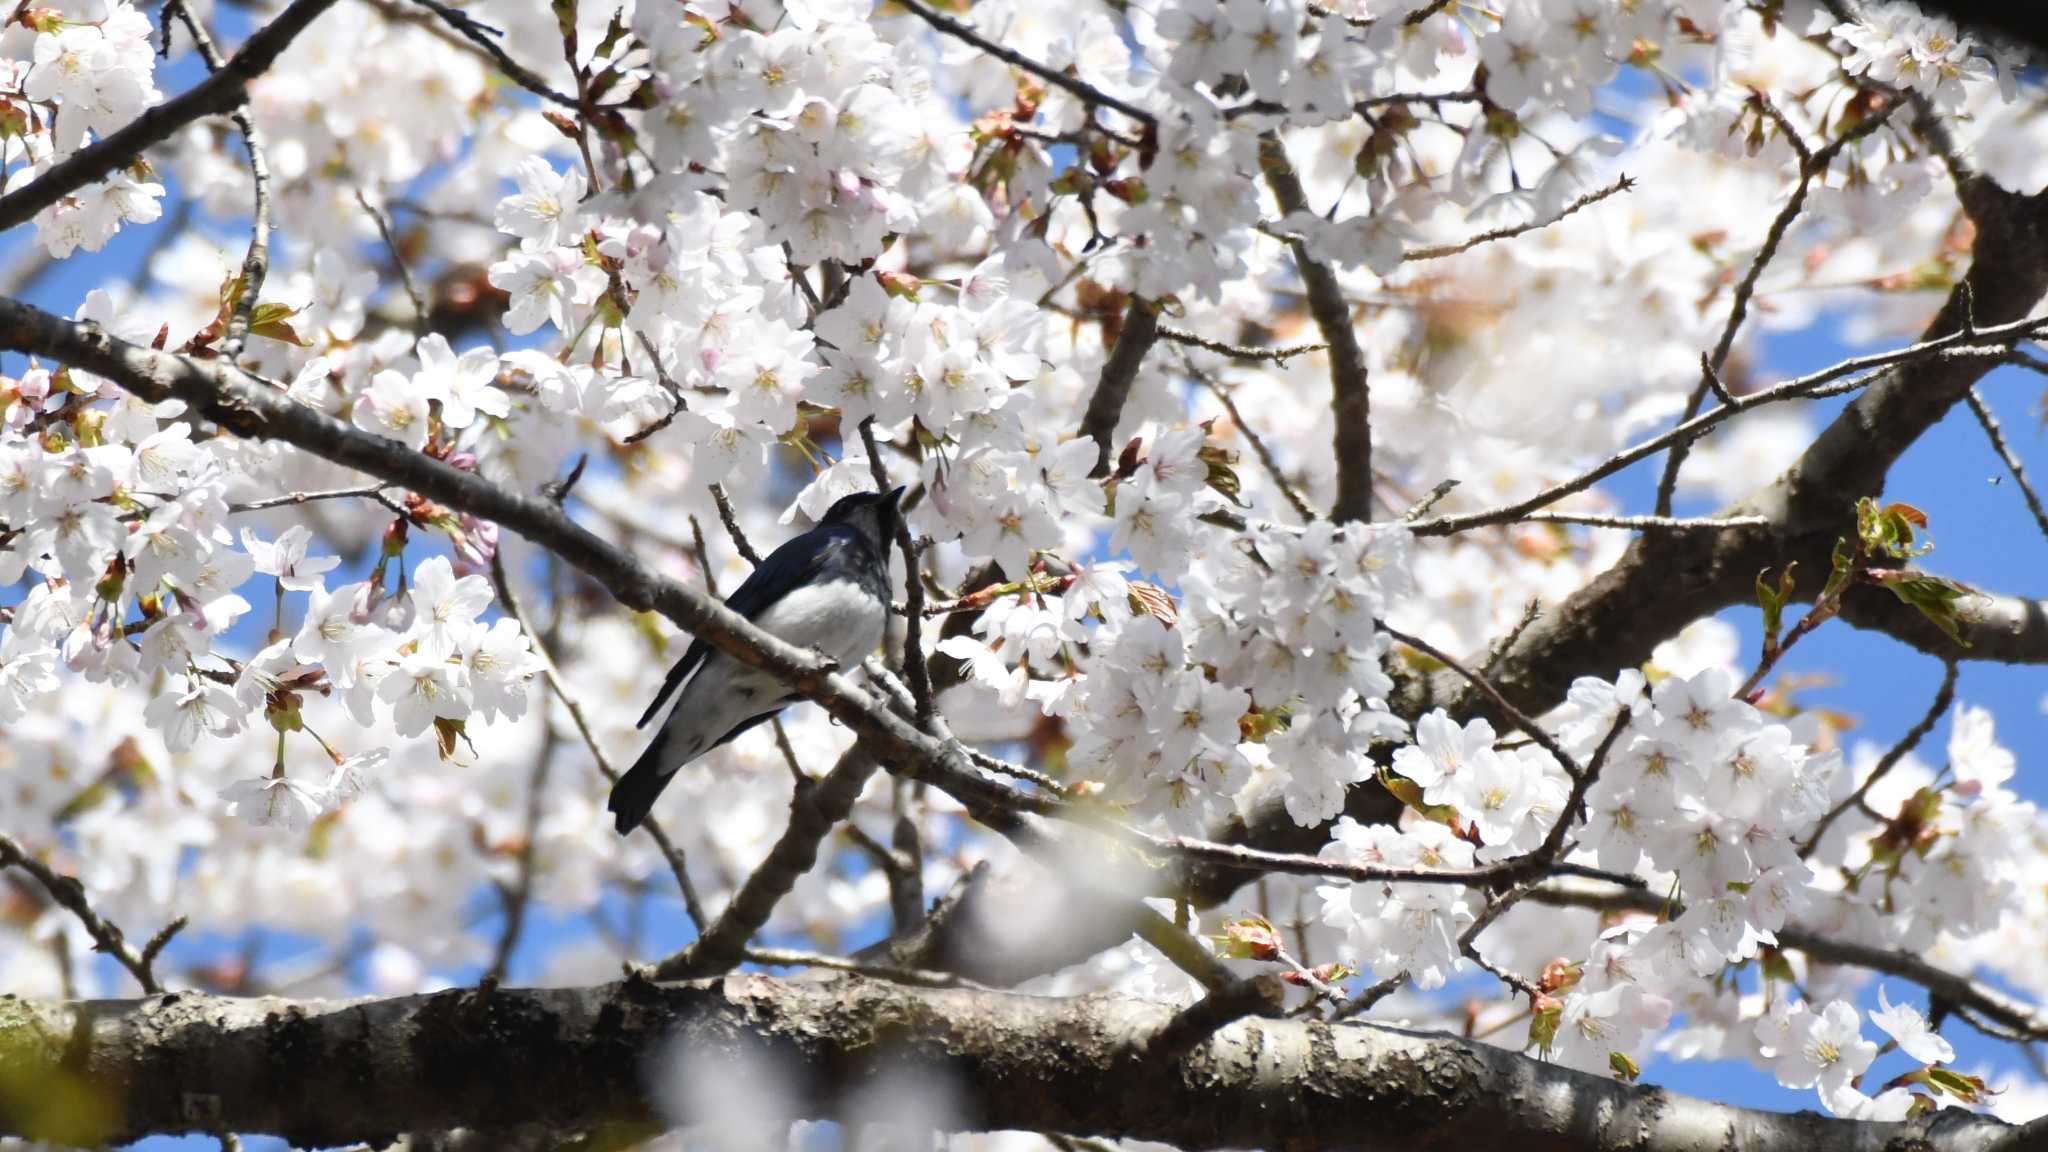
x: 1667, y: 580
x: 576, y: 1060
x: 1998, y: 628
x: 1351, y: 396
x: 223, y: 91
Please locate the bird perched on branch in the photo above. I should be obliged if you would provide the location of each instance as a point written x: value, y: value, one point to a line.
x: 827, y: 589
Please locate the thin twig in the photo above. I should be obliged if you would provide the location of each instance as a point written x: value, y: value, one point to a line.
x: 1439, y: 251
x: 1989, y: 343
x: 1514, y: 715
x: 519, y: 894
x: 1713, y: 380
x: 256, y: 262
x: 912, y: 662
x: 420, y: 313
x: 671, y: 851
x: 1943, y: 697
x: 1812, y: 166
x: 1086, y: 92
x: 916, y: 977
x: 1251, y: 436
x: 106, y: 935
x: 731, y: 520
x: 371, y: 492
x: 1279, y: 355
x: 1989, y: 423
x: 1648, y: 523
x: 481, y: 36
x: 1828, y: 947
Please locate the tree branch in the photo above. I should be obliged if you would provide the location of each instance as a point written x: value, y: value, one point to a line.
x: 1139, y: 332
x: 480, y: 35
x: 912, y: 662
x: 678, y: 863
x: 1811, y: 165
x: 1439, y: 251
x: 576, y: 1060
x: 1667, y: 580
x: 252, y: 407
x: 1080, y: 89
x: 256, y: 263
x: 1351, y: 397
x: 1996, y: 434
x: 106, y: 935
x: 814, y: 811
x: 1936, y: 709
x: 2026, y: 1020
x: 220, y: 92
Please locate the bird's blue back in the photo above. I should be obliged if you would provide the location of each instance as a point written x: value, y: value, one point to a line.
x: 831, y: 551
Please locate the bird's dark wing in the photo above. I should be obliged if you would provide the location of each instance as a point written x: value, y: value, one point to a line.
x: 793, y: 565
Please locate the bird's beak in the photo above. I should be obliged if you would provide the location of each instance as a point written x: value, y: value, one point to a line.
x: 894, y: 496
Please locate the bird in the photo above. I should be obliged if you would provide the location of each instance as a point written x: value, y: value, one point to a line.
x: 827, y: 589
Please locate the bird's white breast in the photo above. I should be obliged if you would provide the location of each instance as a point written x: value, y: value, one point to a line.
x: 836, y: 618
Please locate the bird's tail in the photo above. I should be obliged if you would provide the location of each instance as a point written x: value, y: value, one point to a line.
x: 636, y: 791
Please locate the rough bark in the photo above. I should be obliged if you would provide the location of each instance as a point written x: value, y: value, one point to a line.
x: 596, y: 1059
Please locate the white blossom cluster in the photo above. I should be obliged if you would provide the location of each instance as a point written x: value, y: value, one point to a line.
x: 1714, y: 805
x: 1897, y: 44
x: 71, y: 73
x: 126, y: 527
x: 798, y: 222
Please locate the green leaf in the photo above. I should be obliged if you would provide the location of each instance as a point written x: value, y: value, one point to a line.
x: 1252, y: 938
x: 1968, y: 1089
x: 273, y: 322
x: 1410, y: 793
x: 1893, y: 529
x: 1934, y: 597
x: 1544, y: 1016
x: 1844, y: 568
x: 1772, y: 599
x: 1623, y: 1067
x: 613, y: 33
x: 1223, y: 477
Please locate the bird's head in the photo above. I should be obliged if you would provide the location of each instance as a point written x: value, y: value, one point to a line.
x: 873, y: 513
